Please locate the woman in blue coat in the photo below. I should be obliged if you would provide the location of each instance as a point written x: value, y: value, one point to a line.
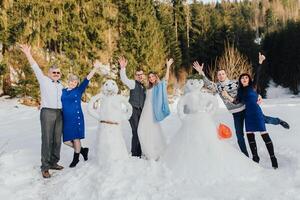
x: 254, y: 119
x: 73, y: 119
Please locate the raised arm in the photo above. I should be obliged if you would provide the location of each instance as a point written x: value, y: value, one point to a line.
x: 26, y: 49
x: 209, y: 84
x: 96, y: 67
x: 128, y: 82
x: 83, y: 85
x: 168, y: 63
x: 181, y: 106
x: 256, y: 81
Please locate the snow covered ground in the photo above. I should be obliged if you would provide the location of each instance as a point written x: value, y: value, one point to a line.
x: 20, y: 176
x: 277, y: 91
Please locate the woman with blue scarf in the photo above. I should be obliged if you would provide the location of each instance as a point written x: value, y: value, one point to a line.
x: 156, y: 108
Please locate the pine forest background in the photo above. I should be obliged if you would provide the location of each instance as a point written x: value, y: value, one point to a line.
x: 73, y: 33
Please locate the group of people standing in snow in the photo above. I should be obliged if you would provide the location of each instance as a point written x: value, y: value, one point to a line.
x: 62, y: 117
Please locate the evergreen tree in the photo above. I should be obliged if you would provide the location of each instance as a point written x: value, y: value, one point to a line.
x: 181, y: 24
x: 165, y: 17
x: 283, y: 50
x: 141, y: 38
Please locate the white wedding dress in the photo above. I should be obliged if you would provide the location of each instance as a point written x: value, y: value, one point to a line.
x: 150, y: 132
x: 195, y: 151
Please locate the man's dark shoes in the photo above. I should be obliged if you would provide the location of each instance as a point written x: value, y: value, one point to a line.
x: 75, y: 160
x: 46, y: 174
x: 284, y: 124
x: 85, y: 152
x: 56, y: 167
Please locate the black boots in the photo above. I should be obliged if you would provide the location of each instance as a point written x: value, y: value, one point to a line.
x: 270, y: 148
x: 269, y: 145
x: 84, y: 152
x: 75, y: 160
x: 253, y: 147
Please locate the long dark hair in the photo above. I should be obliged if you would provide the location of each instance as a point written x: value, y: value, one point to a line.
x: 242, y: 89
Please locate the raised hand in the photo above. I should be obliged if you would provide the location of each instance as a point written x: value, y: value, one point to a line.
x: 198, y: 67
x: 123, y: 62
x: 97, y: 64
x: 25, y: 48
x: 169, y: 62
x: 261, y: 58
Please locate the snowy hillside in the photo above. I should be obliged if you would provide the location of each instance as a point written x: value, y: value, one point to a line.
x: 139, y: 179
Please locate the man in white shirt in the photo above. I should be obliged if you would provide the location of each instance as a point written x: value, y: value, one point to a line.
x: 136, y: 99
x: 51, y: 115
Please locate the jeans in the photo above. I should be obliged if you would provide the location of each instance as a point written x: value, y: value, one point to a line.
x: 272, y: 120
x: 239, y: 119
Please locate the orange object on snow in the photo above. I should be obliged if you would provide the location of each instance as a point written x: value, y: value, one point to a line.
x: 224, y: 132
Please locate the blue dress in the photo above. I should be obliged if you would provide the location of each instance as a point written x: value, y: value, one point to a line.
x: 254, y: 118
x: 73, y: 121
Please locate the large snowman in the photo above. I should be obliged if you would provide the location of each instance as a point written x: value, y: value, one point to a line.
x: 195, y: 151
x: 110, y: 110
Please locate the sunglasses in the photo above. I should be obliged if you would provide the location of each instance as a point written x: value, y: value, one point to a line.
x: 55, y: 72
x: 139, y: 74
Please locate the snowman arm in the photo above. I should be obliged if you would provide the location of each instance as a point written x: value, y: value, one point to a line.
x: 128, y: 107
x: 91, y: 110
x: 212, y: 103
x: 180, y: 107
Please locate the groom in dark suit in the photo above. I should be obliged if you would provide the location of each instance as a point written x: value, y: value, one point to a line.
x: 136, y: 99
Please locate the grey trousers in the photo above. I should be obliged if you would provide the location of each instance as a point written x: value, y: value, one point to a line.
x: 51, y: 125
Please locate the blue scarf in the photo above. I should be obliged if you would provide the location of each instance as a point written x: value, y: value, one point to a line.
x: 160, y: 101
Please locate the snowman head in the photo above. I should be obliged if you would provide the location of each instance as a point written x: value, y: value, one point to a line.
x: 193, y: 85
x: 110, y: 87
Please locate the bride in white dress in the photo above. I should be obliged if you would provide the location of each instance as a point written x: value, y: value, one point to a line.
x: 155, y: 110
x: 196, y: 151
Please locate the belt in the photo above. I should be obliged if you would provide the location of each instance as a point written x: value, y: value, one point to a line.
x: 54, y: 109
x: 109, y: 122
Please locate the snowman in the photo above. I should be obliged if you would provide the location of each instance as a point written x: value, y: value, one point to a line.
x: 110, y: 110
x: 195, y: 100
x: 195, y: 152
